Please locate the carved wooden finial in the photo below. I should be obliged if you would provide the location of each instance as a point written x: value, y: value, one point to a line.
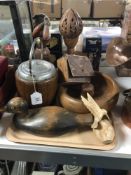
x: 70, y: 24
x: 70, y: 27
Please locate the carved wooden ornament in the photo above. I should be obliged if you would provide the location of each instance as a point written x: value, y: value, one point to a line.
x: 70, y: 27
x: 102, y: 126
x: 70, y: 24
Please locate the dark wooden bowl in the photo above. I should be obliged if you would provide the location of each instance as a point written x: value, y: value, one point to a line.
x: 106, y: 94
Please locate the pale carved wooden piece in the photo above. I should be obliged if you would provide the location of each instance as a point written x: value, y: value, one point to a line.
x: 70, y: 27
x: 96, y: 111
x: 102, y: 127
x: 105, y: 132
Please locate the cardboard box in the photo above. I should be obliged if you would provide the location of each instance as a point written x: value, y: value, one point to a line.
x: 108, y: 8
x: 83, y: 7
x: 5, y: 13
x: 50, y: 8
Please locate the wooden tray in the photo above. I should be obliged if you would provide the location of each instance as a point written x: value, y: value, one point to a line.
x: 76, y: 139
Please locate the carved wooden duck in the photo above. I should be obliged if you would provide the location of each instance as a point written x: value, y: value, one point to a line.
x: 54, y: 120
x: 50, y: 120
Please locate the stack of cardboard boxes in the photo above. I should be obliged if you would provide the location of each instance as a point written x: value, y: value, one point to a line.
x: 51, y: 8
x: 85, y: 8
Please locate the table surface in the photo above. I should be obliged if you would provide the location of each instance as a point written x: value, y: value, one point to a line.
x: 118, y: 158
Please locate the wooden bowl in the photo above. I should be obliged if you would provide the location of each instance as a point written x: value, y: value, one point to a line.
x: 106, y: 94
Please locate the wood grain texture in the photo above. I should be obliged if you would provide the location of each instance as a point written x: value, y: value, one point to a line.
x: 70, y: 27
x: 75, y: 139
x: 106, y: 94
x: 65, y: 73
x: 46, y: 87
x: 51, y: 121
